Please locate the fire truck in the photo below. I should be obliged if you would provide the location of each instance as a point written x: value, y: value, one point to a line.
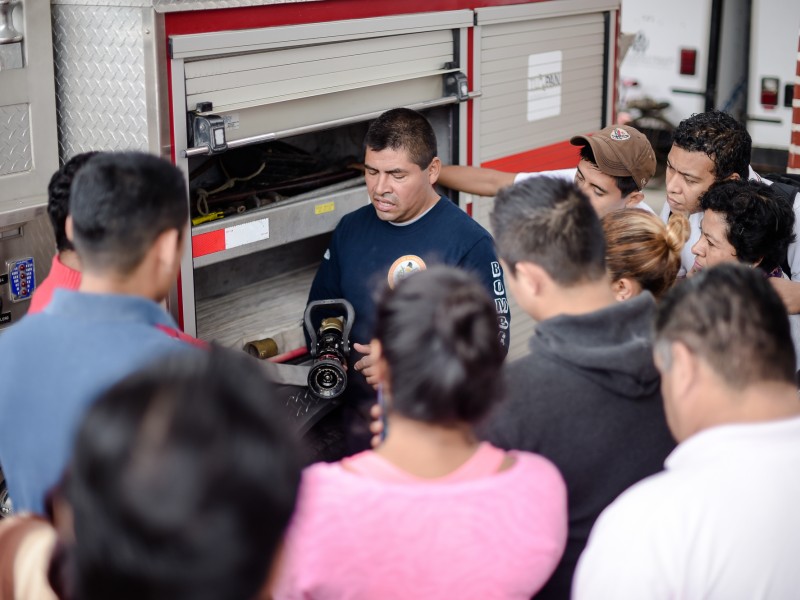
x: 263, y: 104
x: 738, y: 56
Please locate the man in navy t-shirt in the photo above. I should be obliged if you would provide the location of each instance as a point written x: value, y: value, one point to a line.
x: 408, y: 226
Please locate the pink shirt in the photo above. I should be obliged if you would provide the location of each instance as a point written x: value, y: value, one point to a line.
x: 374, y: 531
x: 60, y: 277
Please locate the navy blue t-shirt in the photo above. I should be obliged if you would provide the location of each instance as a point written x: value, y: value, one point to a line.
x: 366, y: 253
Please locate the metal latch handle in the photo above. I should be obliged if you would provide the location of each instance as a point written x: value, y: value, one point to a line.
x: 8, y: 35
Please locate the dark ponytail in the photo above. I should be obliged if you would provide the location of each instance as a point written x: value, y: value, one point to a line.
x: 438, y: 329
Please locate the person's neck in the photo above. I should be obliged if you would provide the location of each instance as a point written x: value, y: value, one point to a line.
x: 764, y: 401
x: 70, y: 259
x: 580, y: 299
x: 757, y: 403
x: 426, y: 450
x: 114, y: 283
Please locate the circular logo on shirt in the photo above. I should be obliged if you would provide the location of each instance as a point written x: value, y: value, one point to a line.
x: 403, y: 267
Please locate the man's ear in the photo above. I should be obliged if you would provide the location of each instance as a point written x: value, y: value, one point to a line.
x: 434, y: 169
x: 167, y: 248
x: 633, y: 199
x: 68, y: 228
x: 733, y: 177
x: 685, y: 369
x: 624, y: 289
x: 531, y: 277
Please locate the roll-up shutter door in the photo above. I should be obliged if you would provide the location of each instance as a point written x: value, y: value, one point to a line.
x: 543, y: 71
x: 276, y: 80
x: 542, y: 81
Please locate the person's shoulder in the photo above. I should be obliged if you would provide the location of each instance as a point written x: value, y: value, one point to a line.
x: 19, y: 334
x: 525, y: 367
x: 455, y: 216
x: 543, y: 469
x: 653, y: 494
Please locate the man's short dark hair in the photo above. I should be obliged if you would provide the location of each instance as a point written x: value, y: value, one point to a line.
x: 403, y: 129
x: 120, y: 203
x: 760, y: 223
x: 439, y: 334
x: 720, y: 137
x: 58, y: 192
x: 182, y: 483
x: 732, y: 318
x: 551, y: 223
x: 625, y: 185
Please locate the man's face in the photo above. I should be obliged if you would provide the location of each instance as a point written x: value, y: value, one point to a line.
x: 601, y: 188
x: 713, y: 247
x: 689, y: 175
x: 398, y: 189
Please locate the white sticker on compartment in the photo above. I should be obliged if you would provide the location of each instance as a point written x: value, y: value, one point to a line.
x: 231, y: 121
x: 544, y: 85
x: 246, y: 233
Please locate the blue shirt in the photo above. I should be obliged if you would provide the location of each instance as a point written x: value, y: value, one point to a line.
x: 366, y: 253
x: 53, y: 365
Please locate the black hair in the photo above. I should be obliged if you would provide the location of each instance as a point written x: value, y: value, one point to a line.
x: 403, y: 129
x: 720, y: 137
x: 732, y: 318
x: 551, y: 223
x: 760, y: 223
x: 625, y: 185
x: 120, y: 203
x: 439, y: 333
x: 58, y: 192
x: 182, y: 483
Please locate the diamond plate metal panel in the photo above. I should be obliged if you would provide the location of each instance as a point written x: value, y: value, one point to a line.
x: 181, y: 5
x: 15, y: 139
x: 176, y: 5
x: 100, y: 79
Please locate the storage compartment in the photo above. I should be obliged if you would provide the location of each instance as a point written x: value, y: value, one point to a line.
x: 273, y: 150
x: 259, y: 289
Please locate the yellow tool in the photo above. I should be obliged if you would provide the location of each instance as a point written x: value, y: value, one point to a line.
x: 209, y: 217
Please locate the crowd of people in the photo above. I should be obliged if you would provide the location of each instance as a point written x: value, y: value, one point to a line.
x: 643, y: 448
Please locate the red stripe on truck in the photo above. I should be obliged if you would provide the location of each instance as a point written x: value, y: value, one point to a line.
x: 562, y: 155
x: 208, y: 243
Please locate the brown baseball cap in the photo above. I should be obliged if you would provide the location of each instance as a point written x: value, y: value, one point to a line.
x: 621, y: 151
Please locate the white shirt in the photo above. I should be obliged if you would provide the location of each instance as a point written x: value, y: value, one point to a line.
x: 569, y: 175
x: 722, y: 522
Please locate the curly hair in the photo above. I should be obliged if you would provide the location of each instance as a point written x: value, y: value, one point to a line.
x: 720, y: 137
x: 760, y: 223
x: 640, y: 247
x: 58, y: 192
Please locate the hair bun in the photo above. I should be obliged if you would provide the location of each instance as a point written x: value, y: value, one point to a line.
x: 677, y: 232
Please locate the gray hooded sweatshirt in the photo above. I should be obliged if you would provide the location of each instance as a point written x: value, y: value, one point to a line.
x: 587, y: 397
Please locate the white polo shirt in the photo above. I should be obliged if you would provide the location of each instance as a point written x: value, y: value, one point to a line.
x: 722, y: 522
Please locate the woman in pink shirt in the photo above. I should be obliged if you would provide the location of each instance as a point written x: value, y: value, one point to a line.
x: 432, y: 512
